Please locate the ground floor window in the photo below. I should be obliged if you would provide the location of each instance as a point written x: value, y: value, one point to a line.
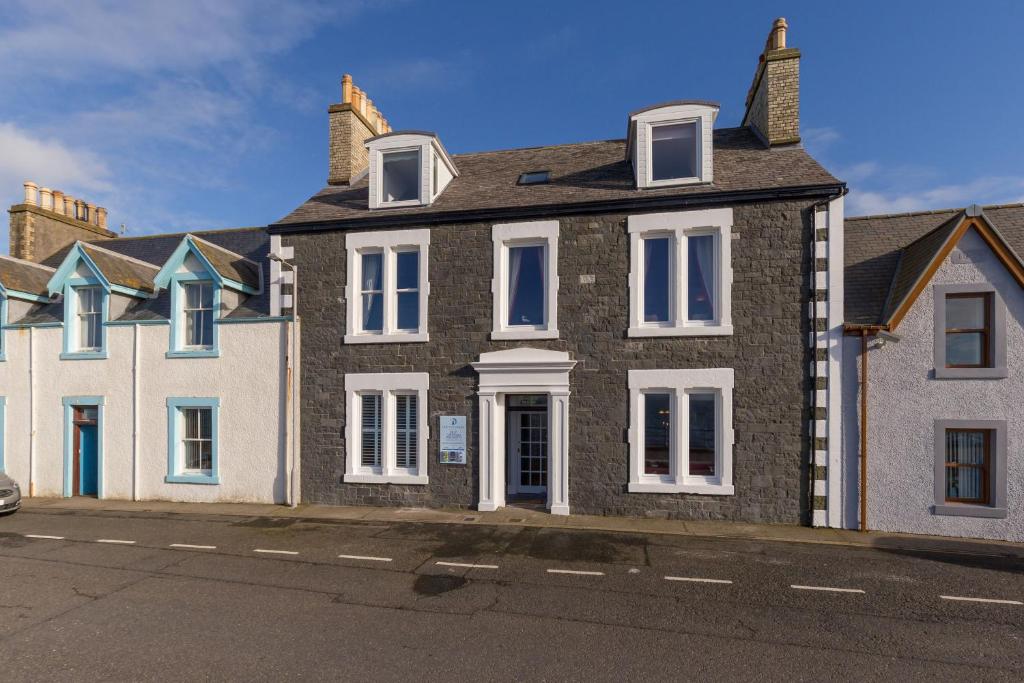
x: 192, y: 440
x: 681, y: 434
x: 386, y: 435
x: 970, y: 468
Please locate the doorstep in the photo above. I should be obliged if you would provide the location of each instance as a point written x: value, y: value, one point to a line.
x: 525, y: 517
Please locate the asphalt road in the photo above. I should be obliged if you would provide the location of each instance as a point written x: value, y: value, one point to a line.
x: 103, y: 595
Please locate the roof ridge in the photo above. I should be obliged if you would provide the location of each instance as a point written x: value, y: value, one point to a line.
x: 27, y: 262
x: 258, y: 228
x: 93, y: 245
x: 932, y: 211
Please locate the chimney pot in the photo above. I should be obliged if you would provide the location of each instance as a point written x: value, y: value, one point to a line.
x: 58, y: 201
x: 346, y: 89
x: 779, y: 33
x: 30, y: 193
x: 45, y: 198
x: 90, y: 215
x: 79, y: 209
x: 101, y: 217
x: 69, y: 206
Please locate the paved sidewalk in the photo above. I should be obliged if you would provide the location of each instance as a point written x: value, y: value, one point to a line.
x: 513, y: 516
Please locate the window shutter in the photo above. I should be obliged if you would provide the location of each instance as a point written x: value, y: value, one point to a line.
x: 371, y: 421
x: 406, y: 436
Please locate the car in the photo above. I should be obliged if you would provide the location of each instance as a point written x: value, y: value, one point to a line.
x: 10, y: 495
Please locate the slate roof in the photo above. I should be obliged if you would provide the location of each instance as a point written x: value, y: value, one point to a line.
x: 24, y: 276
x: 884, y: 255
x: 223, y: 247
x: 581, y: 173
x: 128, y: 272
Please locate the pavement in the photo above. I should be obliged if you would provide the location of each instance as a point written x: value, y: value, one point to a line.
x: 152, y: 591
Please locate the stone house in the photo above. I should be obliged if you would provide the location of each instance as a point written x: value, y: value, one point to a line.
x: 143, y: 368
x: 649, y: 325
x: 932, y: 366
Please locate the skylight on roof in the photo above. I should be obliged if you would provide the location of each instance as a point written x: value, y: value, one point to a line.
x: 534, y: 178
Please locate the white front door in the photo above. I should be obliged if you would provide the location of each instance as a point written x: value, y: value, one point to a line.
x: 528, y: 451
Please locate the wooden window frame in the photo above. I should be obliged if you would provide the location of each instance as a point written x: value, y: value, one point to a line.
x: 986, y: 331
x: 986, y: 467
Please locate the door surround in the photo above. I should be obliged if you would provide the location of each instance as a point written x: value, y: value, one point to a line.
x: 523, y: 371
x: 70, y: 403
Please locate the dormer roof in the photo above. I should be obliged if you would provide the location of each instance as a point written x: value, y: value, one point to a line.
x: 113, y: 271
x: 227, y: 268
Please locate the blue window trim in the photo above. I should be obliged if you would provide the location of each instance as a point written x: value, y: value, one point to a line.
x: 178, y: 317
x: 69, y: 352
x: 69, y: 440
x: 173, y: 439
x: 3, y: 431
x: 3, y: 347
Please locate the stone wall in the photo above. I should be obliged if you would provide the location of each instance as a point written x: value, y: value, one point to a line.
x: 348, y: 132
x: 37, y: 233
x: 774, y: 105
x: 768, y: 351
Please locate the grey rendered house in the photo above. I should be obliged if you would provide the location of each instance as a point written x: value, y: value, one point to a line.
x: 649, y: 325
x: 934, y: 357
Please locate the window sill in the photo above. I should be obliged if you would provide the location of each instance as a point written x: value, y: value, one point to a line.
x: 397, y: 338
x: 681, y: 331
x: 84, y: 355
x: 524, y: 334
x: 197, y: 353
x: 192, y: 479
x: 971, y: 373
x: 411, y: 479
x: 401, y: 204
x: 968, y: 510
x: 699, y: 489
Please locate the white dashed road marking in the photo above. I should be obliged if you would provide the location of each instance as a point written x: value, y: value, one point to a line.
x: 368, y: 558
x: 695, y: 579
x: 574, y: 571
x: 275, y: 552
x: 827, y: 588
x: 467, y: 566
x: 189, y: 546
x: 989, y: 600
x: 116, y: 541
x: 51, y: 538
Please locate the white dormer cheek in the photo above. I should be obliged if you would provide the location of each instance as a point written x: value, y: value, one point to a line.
x: 407, y: 169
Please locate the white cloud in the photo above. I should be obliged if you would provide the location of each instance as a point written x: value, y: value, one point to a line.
x: 817, y: 140
x: 987, y: 190
x: 27, y: 157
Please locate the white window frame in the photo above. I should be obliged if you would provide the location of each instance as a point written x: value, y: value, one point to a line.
x: 390, y: 243
x: 699, y: 161
x: 418, y: 200
x: 388, y: 385
x: 678, y: 226
x: 94, y: 316
x: 532, y: 233
x: 679, y: 384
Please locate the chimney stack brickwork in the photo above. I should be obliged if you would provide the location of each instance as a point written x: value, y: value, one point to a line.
x: 350, y: 124
x: 773, y: 102
x: 49, y: 220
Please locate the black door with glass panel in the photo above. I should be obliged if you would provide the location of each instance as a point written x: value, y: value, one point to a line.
x: 527, y: 445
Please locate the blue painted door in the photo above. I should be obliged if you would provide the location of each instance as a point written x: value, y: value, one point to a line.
x: 89, y: 462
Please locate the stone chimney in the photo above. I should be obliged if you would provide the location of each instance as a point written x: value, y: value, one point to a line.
x: 49, y: 220
x: 351, y: 123
x: 773, y: 101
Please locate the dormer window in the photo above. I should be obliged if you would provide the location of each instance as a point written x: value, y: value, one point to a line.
x: 407, y: 168
x: 400, y: 179
x: 89, y: 318
x: 671, y: 144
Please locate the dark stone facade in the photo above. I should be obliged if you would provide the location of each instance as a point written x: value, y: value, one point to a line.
x: 768, y: 350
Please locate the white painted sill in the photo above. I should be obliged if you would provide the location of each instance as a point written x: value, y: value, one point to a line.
x: 408, y: 479
x: 681, y: 331
x: 524, y: 334
x: 674, y: 182
x: 397, y: 338
x: 700, y: 489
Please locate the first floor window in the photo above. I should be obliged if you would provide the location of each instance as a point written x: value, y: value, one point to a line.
x: 90, y: 318
x: 657, y: 279
x: 968, y: 330
x: 192, y: 440
x: 386, y: 435
x: 372, y: 283
x: 525, y: 282
x: 680, y: 431
x: 198, y: 312
x: 968, y: 458
x: 387, y: 286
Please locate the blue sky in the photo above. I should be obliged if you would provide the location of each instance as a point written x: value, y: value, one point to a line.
x: 191, y: 115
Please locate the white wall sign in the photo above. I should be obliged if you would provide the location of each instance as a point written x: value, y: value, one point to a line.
x: 453, y: 440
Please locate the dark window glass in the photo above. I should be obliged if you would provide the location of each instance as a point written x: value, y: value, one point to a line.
x: 657, y: 433
x: 526, y: 285
x: 534, y: 177
x: 372, y: 285
x: 401, y: 179
x: 968, y: 328
x: 657, y: 279
x: 702, y: 435
x: 408, y: 290
x: 700, y: 251
x: 674, y: 151
x: 967, y: 465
